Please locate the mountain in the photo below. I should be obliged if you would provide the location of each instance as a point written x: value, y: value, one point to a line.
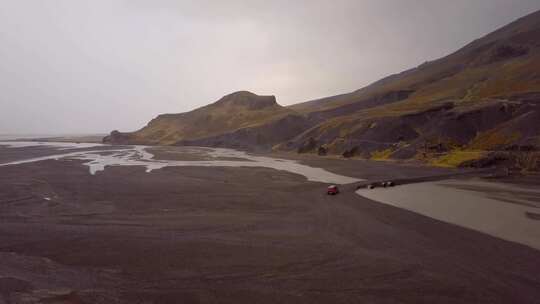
x: 458, y: 109
x: 483, y: 97
x: 449, y: 76
x: 238, y: 120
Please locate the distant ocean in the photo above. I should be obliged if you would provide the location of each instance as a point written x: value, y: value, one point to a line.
x: 23, y: 136
x: 32, y: 136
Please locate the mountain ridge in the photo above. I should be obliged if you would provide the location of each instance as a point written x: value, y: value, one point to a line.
x: 483, y: 97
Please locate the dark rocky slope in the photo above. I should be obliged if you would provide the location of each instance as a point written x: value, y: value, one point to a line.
x: 484, y: 97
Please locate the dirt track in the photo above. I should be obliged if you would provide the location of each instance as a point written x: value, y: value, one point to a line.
x: 237, y: 235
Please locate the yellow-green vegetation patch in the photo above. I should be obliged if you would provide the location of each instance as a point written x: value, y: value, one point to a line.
x: 493, y: 139
x: 382, y: 155
x: 457, y: 157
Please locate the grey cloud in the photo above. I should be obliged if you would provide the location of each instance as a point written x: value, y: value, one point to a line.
x: 91, y: 66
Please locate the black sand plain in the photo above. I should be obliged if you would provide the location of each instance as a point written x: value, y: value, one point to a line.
x: 237, y: 235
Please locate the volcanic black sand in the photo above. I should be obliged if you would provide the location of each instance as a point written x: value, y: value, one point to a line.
x: 237, y: 235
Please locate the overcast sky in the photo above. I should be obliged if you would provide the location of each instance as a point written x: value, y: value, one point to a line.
x: 84, y: 66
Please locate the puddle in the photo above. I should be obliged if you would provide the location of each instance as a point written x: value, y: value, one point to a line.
x: 98, y: 160
x: 497, y: 209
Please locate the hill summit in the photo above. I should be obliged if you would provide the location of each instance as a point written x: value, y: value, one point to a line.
x: 241, y: 120
x: 247, y: 100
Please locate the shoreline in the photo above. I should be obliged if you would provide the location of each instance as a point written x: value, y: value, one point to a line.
x: 315, y: 160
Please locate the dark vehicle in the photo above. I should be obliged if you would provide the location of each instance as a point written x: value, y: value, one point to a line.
x: 332, y: 190
x: 388, y: 184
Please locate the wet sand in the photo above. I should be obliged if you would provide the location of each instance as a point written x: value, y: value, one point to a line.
x: 186, y: 154
x: 237, y: 235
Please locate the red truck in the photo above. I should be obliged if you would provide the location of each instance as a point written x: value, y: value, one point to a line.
x: 332, y: 190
